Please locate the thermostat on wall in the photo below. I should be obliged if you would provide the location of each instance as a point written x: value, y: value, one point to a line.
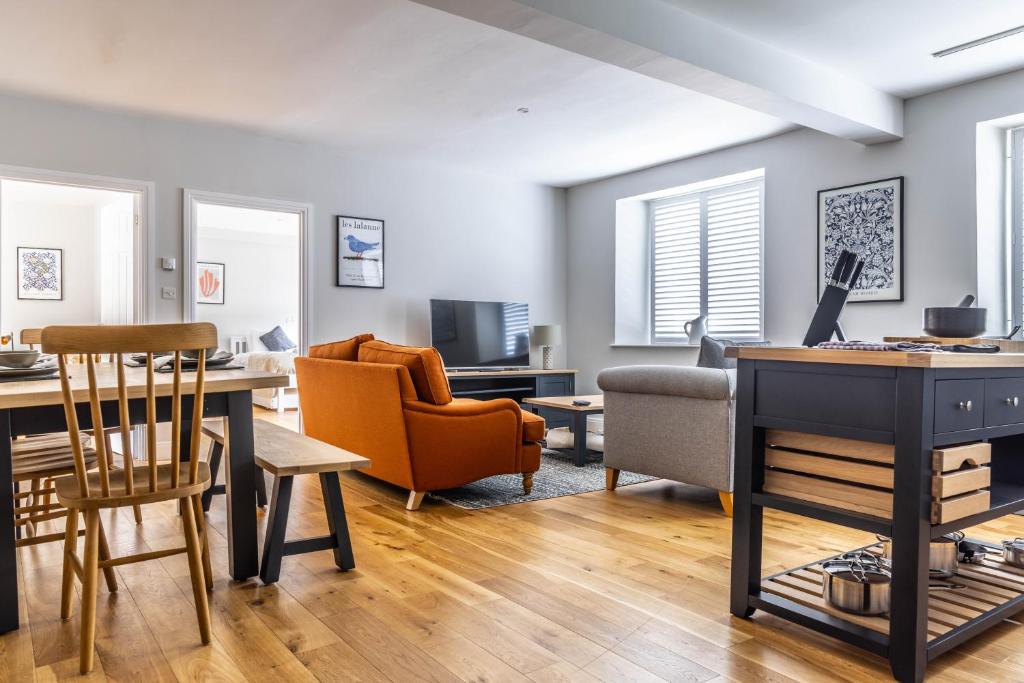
x: 167, y: 263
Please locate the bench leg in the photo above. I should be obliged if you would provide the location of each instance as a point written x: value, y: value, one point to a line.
x: 277, y: 527
x: 330, y: 486
x: 216, y: 453
x: 261, y: 488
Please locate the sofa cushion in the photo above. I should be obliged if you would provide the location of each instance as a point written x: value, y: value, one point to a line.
x: 712, y: 352
x: 424, y: 363
x: 347, y: 349
x: 533, y: 427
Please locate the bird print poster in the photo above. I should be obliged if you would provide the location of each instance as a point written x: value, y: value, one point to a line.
x: 866, y: 219
x: 360, y: 252
x: 209, y: 283
x: 40, y: 274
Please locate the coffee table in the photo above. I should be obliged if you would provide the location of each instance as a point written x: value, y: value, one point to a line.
x: 578, y: 415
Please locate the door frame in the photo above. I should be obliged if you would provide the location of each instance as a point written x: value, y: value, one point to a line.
x: 191, y: 198
x: 145, y: 213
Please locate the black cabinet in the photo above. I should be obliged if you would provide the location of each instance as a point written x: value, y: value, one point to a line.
x: 517, y: 385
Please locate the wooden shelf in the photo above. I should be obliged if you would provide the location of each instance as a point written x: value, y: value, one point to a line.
x: 992, y: 590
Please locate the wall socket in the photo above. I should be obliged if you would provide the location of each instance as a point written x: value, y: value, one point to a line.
x: 169, y: 293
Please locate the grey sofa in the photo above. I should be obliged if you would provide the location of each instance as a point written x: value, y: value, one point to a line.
x: 670, y: 422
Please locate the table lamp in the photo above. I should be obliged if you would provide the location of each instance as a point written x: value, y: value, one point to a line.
x: 546, y: 336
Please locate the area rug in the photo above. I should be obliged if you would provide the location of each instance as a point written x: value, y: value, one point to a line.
x: 557, y: 477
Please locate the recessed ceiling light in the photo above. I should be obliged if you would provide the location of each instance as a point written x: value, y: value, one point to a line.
x: 979, y: 41
x: 523, y: 110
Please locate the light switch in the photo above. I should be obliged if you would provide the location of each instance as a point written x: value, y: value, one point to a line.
x: 169, y: 293
x: 168, y: 263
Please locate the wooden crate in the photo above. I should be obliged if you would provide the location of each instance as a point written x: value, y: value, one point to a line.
x: 858, y: 475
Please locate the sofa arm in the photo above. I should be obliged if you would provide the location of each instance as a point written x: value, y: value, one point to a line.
x: 669, y: 380
x: 463, y: 441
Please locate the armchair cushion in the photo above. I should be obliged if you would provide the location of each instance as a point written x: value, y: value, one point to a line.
x: 424, y: 364
x: 347, y: 349
x: 533, y: 427
x: 668, y: 380
x: 712, y: 352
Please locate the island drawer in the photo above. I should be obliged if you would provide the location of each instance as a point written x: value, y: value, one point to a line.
x: 959, y: 405
x: 1004, y: 401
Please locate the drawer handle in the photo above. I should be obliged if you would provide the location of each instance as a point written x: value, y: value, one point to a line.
x: 1014, y: 402
x: 965, y: 405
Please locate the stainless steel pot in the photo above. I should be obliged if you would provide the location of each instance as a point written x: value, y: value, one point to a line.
x: 856, y: 583
x: 942, y: 554
x: 1013, y: 552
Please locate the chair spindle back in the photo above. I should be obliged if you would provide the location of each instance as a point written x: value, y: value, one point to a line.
x: 117, y: 340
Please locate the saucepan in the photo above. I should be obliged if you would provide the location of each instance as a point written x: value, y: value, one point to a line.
x: 943, y: 554
x: 857, y: 582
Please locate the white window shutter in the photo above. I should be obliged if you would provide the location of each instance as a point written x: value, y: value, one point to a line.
x: 706, y: 259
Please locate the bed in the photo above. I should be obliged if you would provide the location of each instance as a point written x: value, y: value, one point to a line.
x: 279, y: 362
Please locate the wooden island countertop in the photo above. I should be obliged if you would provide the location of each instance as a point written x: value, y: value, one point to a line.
x: 904, y: 359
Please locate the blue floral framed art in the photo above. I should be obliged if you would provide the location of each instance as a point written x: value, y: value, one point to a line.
x: 40, y: 274
x: 867, y: 219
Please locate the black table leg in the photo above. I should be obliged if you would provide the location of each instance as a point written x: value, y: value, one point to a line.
x: 243, y: 549
x: 911, y: 524
x: 277, y: 528
x: 748, y: 519
x: 261, y: 488
x: 579, y: 440
x: 216, y: 454
x: 8, y: 546
x: 330, y: 486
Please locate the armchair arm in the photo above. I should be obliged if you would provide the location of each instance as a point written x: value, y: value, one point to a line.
x: 669, y: 380
x: 453, y: 444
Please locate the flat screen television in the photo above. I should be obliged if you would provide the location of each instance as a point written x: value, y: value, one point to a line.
x: 481, y: 334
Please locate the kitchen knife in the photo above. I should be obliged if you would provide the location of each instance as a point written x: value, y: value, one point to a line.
x: 848, y: 267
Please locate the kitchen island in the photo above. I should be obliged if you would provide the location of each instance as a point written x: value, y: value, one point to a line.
x: 906, y: 445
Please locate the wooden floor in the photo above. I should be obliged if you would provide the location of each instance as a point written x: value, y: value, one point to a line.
x: 624, y: 586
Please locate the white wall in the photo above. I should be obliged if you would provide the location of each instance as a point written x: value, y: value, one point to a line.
x: 73, y: 228
x: 937, y: 156
x: 449, y: 233
x: 261, y: 282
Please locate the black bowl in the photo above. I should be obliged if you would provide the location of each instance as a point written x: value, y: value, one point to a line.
x: 954, y: 321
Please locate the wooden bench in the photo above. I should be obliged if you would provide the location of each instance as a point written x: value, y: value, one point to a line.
x: 214, y: 429
x: 284, y: 454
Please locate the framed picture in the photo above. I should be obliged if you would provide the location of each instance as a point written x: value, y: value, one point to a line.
x: 360, y: 252
x: 40, y: 273
x: 866, y: 219
x: 209, y: 282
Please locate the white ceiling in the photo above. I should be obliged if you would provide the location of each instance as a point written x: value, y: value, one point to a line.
x: 885, y: 43
x: 396, y: 78
x: 385, y: 77
x: 246, y: 221
x: 30, y: 192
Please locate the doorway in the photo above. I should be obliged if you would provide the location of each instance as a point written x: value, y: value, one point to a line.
x: 246, y: 272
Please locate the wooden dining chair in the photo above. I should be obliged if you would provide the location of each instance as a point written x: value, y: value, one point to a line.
x: 182, y: 479
x: 32, y: 337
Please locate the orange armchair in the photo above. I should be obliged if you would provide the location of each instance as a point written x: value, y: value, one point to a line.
x: 377, y: 409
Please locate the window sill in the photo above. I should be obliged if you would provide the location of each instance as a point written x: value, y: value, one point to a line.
x: 655, y: 346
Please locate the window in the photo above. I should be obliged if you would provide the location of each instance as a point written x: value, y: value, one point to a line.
x: 1016, y: 192
x: 706, y: 260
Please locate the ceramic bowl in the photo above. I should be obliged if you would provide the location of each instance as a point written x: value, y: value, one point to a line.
x: 18, y: 359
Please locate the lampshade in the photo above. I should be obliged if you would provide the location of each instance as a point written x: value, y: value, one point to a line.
x: 547, y: 335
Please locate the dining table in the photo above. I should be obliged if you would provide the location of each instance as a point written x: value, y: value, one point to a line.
x: 35, y: 406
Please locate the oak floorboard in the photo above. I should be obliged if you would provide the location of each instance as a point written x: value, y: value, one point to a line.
x: 629, y: 585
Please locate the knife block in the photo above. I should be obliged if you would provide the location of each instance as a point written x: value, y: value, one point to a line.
x: 826, y: 317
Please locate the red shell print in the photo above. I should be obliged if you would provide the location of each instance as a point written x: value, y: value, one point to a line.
x: 208, y: 283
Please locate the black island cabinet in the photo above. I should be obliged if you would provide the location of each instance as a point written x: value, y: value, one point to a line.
x: 910, y: 446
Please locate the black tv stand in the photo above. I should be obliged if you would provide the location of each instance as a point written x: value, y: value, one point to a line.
x: 516, y: 384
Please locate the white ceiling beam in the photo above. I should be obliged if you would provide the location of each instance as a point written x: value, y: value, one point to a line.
x: 662, y: 41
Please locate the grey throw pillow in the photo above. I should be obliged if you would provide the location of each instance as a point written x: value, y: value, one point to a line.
x: 277, y: 340
x: 712, y: 352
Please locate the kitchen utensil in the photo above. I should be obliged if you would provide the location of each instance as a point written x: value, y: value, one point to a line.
x: 1013, y: 552
x: 943, y: 553
x: 856, y: 583
x: 18, y: 359
x: 971, y: 553
x: 844, y: 277
x: 955, y: 321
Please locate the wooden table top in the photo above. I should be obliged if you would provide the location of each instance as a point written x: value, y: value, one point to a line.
x: 47, y: 392
x: 565, y: 402
x: 913, y: 359
x: 509, y: 373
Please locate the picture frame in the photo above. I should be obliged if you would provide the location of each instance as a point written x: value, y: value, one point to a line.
x: 210, y: 281
x: 359, y: 252
x: 40, y: 273
x: 866, y: 218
